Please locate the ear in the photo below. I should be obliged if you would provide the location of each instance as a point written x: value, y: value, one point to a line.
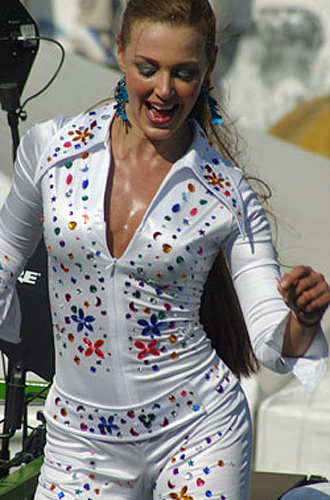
x: 120, y: 54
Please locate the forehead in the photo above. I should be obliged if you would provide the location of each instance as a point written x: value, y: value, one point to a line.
x: 163, y: 41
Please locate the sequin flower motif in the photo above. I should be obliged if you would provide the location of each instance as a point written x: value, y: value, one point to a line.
x: 145, y: 350
x: 107, y: 426
x: 152, y: 328
x: 217, y: 181
x: 83, y: 321
x: 81, y: 135
x: 214, y: 180
x: 182, y: 495
x: 91, y: 348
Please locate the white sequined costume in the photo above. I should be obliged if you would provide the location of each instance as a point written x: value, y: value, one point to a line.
x: 136, y: 376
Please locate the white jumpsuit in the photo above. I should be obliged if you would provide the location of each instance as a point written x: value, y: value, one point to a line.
x: 141, y: 406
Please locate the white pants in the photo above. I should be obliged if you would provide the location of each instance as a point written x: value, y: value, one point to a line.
x: 209, y: 458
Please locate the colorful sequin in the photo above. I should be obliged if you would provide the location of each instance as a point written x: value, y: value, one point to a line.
x: 121, y: 324
x: 181, y: 405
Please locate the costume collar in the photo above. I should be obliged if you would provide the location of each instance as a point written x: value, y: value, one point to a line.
x: 217, y: 174
x: 89, y: 130
x: 76, y: 137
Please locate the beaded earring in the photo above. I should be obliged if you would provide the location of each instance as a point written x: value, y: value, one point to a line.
x: 121, y: 97
x: 213, y: 105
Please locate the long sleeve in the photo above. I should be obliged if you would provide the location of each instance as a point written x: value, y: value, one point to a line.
x: 255, y: 272
x: 21, y: 224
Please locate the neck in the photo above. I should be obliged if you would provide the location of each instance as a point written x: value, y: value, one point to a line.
x: 129, y: 141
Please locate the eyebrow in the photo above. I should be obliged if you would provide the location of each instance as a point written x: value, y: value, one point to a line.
x: 156, y: 63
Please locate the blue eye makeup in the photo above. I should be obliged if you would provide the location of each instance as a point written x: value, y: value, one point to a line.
x: 185, y: 74
x: 146, y: 69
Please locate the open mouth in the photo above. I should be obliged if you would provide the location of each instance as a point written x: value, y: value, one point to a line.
x: 160, y: 114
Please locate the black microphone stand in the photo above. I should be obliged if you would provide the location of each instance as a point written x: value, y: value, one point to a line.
x: 15, y: 377
x: 10, y: 102
x: 19, y: 355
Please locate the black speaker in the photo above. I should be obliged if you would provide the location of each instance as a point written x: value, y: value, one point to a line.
x: 19, y: 43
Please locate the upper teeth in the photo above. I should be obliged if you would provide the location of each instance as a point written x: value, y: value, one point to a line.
x: 162, y: 108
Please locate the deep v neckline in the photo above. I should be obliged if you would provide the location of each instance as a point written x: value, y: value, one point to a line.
x: 106, y: 206
x: 107, y: 195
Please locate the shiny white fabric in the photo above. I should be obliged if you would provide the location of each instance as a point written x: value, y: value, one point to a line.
x: 134, y: 368
x: 127, y: 330
x: 208, y: 458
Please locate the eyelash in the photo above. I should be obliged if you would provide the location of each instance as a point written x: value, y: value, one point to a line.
x: 148, y: 71
x: 185, y: 75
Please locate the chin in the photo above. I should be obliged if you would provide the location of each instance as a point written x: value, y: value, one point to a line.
x: 161, y: 134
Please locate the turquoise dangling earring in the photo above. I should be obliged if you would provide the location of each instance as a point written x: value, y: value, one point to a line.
x: 213, y: 105
x: 121, y: 97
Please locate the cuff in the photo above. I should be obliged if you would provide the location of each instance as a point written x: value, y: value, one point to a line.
x: 309, y: 368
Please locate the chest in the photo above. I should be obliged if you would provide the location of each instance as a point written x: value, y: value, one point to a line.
x: 182, y: 222
x: 131, y: 189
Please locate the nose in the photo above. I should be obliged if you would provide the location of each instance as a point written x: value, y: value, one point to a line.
x: 164, y: 86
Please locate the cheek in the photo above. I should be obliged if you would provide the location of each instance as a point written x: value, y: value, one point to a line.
x: 137, y: 88
x: 189, y: 90
x: 189, y: 93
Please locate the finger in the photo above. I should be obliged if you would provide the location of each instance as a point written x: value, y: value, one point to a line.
x: 314, y: 311
x: 290, y: 279
x: 309, y: 282
x: 307, y: 294
x: 311, y: 290
x: 286, y: 293
x: 320, y: 302
x: 289, y: 299
x: 299, y: 285
x: 305, y: 284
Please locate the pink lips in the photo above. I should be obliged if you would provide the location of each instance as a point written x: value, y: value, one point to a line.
x: 159, y: 115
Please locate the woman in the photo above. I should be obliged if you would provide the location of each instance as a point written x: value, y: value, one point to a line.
x: 135, y: 205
